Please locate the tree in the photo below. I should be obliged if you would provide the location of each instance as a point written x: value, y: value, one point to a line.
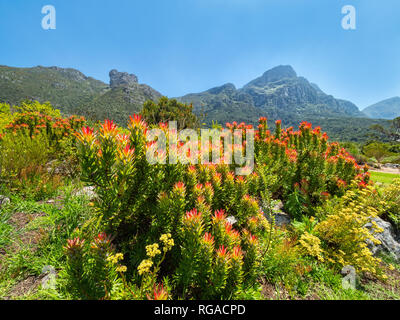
x: 35, y: 106
x: 376, y: 150
x: 169, y: 110
x: 392, y: 134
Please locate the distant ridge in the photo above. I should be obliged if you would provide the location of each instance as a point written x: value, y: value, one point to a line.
x: 279, y: 93
x: 386, y: 109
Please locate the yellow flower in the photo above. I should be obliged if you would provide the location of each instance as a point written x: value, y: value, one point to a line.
x: 115, y: 258
x: 153, y: 250
x: 167, y: 241
x: 145, y: 266
x: 121, y: 269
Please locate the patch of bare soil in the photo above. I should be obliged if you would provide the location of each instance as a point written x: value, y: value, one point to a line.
x: 30, y: 237
x: 20, y: 219
x: 272, y: 292
x: 26, y: 286
x: 24, y: 238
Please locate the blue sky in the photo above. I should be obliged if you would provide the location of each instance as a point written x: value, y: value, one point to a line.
x: 184, y: 46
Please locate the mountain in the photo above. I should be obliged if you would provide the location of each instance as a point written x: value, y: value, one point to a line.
x: 386, y: 109
x: 279, y: 94
x: 73, y: 92
x: 124, y: 97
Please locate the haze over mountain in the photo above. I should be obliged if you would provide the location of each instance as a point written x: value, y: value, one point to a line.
x: 386, y: 109
x: 277, y: 94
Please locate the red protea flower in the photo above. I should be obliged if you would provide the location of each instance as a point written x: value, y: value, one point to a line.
x: 86, y: 134
x: 325, y: 195
x: 101, y: 242
x: 237, y: 253
x: 122, y: 138
x: 341, y: 183
x: 362, y: 185
x: 137, y: 122
x: 219, y: 215
x: 208, y: 238
x: 109, y: 128
x: 252, y: 239
x: 192, y: 169
x: 193, y: 216
x: 222, y: 252
x: 209, y: 186
x: 159, y: 293
x: 179, y: 186
x: 74, y: 246
x: 228, y: 227
x: 127, y: 152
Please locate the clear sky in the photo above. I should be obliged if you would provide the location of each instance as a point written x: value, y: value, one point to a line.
x: 184, y: 46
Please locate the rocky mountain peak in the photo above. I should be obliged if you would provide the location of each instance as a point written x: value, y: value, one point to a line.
x: 275, y: 74
x: 227, y: 88
x: 122, y: 79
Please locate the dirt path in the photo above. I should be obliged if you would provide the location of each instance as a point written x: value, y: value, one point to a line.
x: 385, y: 170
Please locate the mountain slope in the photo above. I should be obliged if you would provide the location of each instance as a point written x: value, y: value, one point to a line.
x: 279, y: 93
x: 386, y: 109
x: 73, y: 92
x: 65, y: 88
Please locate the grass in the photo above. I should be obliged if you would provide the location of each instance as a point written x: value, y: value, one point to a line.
x: 383, y: 177
x: 32, y: 235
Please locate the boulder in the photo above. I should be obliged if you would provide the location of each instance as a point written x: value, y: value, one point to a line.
x: 281, y: 218
x: 388, y: 238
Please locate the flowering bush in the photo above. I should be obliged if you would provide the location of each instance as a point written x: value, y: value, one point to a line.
x: 30, y: 141
x: 390, y: 200
x: 211, y: 214
x: 344, y: 234
x: 310, y: 169
x: 139, y: 201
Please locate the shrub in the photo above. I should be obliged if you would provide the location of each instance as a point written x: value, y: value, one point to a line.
x: 310, y: 169
x: 390, y: 199
x: 344, y: 235
x: 138, y: 202
x: 169, y: 110
x: 212, y: 215
x: 30, y: 142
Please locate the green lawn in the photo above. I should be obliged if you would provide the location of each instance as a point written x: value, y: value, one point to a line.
x: 384, y: 177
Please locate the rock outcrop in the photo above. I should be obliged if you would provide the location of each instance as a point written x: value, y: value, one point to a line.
x: 122, y: 79
x: 388, y: 238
